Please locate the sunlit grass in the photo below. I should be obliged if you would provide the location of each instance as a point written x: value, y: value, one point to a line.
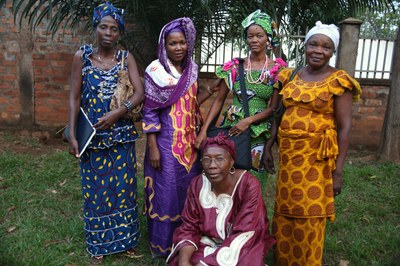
x: 41, y: 214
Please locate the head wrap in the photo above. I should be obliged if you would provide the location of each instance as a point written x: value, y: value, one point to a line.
x: 177, y: 29
x: 264, y: 21
x: 181, y: 24
x: 220, y: 141
x: 160, y: 94
x: 329, y: 30
x: 108, y: 9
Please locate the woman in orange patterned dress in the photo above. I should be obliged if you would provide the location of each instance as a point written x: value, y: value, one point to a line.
x: 313, y: 140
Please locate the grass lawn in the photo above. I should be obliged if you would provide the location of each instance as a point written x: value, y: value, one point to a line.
x: 41, y: 217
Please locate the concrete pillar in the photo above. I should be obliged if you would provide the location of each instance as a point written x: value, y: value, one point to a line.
x: 25, y: 77
x: 347, y: 51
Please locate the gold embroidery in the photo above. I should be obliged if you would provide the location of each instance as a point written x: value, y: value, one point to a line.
x: 148, y: 183
x: 181, y: 138
x: 160, y: 248
x: 147, y: 127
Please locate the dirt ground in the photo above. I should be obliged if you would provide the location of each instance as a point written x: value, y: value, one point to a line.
x: 42, y: 143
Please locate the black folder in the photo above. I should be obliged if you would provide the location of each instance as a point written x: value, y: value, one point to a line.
x: 84, y: 131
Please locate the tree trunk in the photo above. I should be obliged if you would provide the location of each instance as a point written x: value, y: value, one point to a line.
x: 390, y: 137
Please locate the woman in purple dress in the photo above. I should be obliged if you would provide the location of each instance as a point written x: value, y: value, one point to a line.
x: 169, y: 115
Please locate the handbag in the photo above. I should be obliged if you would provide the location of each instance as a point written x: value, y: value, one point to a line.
x: 123, y: 92
x: 243, y: 141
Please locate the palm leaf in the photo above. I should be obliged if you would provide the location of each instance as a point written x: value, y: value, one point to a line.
x: 208, y: 16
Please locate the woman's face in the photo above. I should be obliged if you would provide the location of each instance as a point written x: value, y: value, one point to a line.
x: 257, y: 39
x: 216, y: 163
x: 319, y: 50
x: 176, y: 47
x: 107, y: 32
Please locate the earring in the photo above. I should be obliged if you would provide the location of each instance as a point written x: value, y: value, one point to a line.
x: 203, y: 173
x: 232, y: 170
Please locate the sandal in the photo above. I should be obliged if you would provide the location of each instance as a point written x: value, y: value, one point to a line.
x: 133, y: 254
x: 96, y: 260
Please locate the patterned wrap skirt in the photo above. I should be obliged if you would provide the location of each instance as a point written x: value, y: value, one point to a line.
x: 109, y: 199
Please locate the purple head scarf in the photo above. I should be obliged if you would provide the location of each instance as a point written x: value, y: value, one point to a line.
x: 160, y: 97
x: 108, y: 9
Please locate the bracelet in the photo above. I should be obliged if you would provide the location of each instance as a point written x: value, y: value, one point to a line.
x: 209, y: 90
x: 128, y: 105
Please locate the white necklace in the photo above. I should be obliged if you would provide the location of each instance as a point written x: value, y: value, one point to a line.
x: 107, y: 66
x: 263, y: 73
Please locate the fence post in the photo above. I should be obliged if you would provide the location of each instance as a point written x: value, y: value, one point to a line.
x: 347, y: 52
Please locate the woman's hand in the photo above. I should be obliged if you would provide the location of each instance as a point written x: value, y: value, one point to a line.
x: 200, y: 138
x: 155, y: 157
x: 337, y: 183
x: 210, y: 90
x: 215, y: 85
x: 73, y: 147
x: 107, y: 120
x: 185, y: 254
x: 240, y: 127
x: 268, y: 161
x: 154, y: 152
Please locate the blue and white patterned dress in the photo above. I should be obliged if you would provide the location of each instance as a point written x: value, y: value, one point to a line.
x: 108, y: 167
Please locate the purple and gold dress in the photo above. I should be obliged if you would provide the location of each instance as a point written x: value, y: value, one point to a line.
x: 169, y: 112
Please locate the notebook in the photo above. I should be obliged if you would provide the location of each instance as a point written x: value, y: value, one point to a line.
x: 84, y: 131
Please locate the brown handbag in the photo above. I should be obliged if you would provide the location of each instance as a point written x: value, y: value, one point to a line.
x: 123, y: 92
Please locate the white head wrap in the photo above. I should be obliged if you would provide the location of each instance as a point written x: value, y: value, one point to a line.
x: 329, y: 30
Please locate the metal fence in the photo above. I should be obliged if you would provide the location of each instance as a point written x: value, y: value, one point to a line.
x: 223, y: 51
x: 374, y: 57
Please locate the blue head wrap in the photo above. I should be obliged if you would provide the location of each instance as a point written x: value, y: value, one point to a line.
x: 108, y: 9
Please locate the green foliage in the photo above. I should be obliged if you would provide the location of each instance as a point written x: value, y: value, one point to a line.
x: 208, y: 16
x: 376, y: 23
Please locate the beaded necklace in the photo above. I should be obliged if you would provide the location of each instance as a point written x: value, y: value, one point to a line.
x: 263, y: 73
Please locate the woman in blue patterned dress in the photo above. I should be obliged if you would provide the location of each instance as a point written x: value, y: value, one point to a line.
x: 260, y: 75
x: 108, y: 165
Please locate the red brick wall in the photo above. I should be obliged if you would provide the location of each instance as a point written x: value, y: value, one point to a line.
x: 9, y: 93
x: 34, y: 84
x: 368, y: 116
x: 34, y: 70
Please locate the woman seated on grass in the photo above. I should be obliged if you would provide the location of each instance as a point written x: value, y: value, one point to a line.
x: 224, y: 221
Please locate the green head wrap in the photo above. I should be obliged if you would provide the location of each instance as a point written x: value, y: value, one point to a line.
x: 264, y: 21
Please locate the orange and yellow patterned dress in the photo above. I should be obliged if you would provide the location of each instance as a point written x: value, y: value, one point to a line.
x: 308, y: 149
